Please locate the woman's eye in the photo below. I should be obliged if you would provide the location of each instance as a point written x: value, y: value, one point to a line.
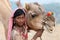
x: 18, y: 17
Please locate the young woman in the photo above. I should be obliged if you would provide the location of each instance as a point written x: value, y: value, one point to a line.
x: 17, y: 27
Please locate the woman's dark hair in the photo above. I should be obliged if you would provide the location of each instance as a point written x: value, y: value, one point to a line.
x: 18, y: 12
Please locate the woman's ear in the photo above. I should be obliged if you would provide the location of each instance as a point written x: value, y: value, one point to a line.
x: 14, y: 22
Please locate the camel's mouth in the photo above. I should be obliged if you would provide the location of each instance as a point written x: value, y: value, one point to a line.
x: 50, y: 28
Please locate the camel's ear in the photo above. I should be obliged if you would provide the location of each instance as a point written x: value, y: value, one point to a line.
x: 27, y: 7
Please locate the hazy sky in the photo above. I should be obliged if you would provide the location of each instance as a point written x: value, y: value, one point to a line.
x: 28, y: 1
x: 40, y: 1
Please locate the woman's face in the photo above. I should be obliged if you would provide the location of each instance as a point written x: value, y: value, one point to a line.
x: 20, y: 20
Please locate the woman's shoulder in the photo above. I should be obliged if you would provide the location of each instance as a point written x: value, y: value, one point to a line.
x: 14, y: 32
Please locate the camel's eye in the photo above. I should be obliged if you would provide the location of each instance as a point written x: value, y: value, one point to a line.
x: 33, y: 16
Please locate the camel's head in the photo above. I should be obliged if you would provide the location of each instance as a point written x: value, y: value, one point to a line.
x: 34, y: 9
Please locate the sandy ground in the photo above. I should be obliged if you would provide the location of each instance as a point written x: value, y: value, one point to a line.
x: 55, y: 35
x: 46, y: 35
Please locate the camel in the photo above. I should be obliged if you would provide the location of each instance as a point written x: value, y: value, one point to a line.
x: 5, y: 12
x: 37, y: 19
x: 2, y: 32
